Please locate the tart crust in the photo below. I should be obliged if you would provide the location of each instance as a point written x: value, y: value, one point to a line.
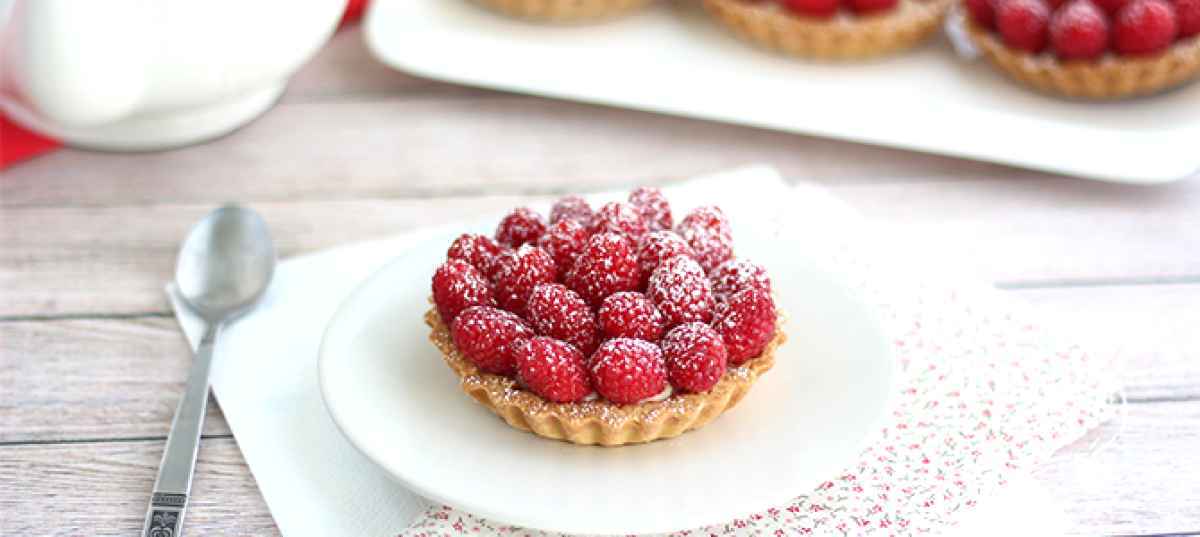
x: 600, y: 422
x: 563, y: 10
x: 1110, y: 77
x: 841, y: 37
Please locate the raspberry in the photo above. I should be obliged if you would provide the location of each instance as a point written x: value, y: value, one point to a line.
x: 563, y: 241
x: 1022, y: 24
x: 628, y: 370
x: 553, y: 369
x: 653, y: 206
x: 706, y: 230
x: 560, y: 313
x: 812, y: 8
x: 1111, y: 7
x: 866, y: 7
x: 1145, y: 27
x: 478, y: 250
x: 982, y: 12
x: 681, y: 292
x: 572, y: 208
x: 1188, y: 13
x: 708, y: 218
x: 738, y: 274
x: 606, y: 265
x: 518, y: 272
x: 622, y: 218
x: 520, y: 226
x: 746, y: 324
x: 659, y: 246
x: 1079, y: 31
x: 457, y: 286
x: 630, y: 314
x: 695, y: 356
x: 485, y: 335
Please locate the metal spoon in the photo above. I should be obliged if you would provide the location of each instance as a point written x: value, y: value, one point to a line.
x: 224, y: 266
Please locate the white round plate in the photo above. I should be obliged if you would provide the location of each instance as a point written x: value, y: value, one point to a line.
x: 389, y: 391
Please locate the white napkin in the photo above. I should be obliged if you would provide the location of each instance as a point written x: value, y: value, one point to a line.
x: 316, y: 484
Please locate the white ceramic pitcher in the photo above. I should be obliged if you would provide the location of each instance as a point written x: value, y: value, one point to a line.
x: 152, y: 74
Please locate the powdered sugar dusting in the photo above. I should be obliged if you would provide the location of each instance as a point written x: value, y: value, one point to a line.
x: 478, y: 250
x: 747, y: 324
x: 659, y: 246
x: 738, y: 274
x: 552, y: 369
x: 457, y: 285
x: 630, y: 314
x: 681, y: 291
x: 653, y: 206
x: 519, y: 272
x: 695, y: 355
x: 707, y: 231
x: 618, y: 217
x: 564, y: 241
x: 626, y: 370
x: 560, y: 313
x: 485, y: 335
x: 607, y: 265
x: 521, y: 226
x: 572, y: 208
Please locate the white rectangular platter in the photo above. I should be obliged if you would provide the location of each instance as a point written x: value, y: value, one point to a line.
x: 672, y: 59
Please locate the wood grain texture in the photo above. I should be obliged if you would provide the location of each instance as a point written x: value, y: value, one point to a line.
x: 93, y: 379
x: 1139, y: 475
x: 1047, y: 232
x: 424, y: 146
x: 121, y: 378
x: 69, y: 260
x: 56, y: 261
x: 1144, y: 481
x: 102, y: 489
x: 1151, y: 328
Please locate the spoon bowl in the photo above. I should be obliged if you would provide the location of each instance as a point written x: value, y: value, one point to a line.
x: 226, y: 263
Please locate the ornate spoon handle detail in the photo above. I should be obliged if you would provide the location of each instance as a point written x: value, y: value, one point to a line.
x: 164, y: 518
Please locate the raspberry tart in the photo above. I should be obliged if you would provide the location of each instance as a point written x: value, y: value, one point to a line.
x: 563, y: 10
x: 832, y: 29
x: 1092, y: 49
x: 610, y: 327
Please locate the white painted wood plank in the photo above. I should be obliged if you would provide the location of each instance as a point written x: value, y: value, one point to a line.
x: 63, y: 260
x: 116, y: 261
x: 76, y: 379
x: 1138, y: 476
x: 1144, y: 482
x: 1045, y: 231
x: 93, y: 379
x: 431, y: 146
x: 103, y: 489
x: 1151, y: 328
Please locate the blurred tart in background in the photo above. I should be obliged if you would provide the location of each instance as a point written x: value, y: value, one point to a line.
x: 1091, y: 49
x: 563, y: 10
x: 832, y: 29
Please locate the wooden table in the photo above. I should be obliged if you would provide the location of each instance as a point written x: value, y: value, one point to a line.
x: 92, y: 364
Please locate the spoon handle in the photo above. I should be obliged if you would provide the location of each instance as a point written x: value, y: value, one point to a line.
x: 164, y: 518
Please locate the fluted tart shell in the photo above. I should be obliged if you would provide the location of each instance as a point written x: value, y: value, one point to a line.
x: 841, y: 37
x: 1109, y: 77
x: 600, y: 422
